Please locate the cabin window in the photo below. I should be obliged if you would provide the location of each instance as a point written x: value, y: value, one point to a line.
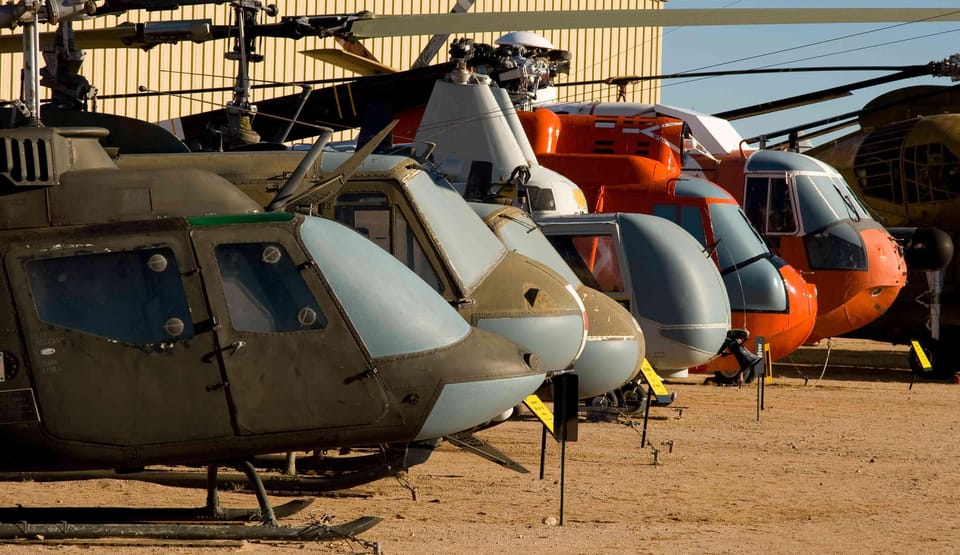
x: 265, y: 291
x: 134, y: 297
x: 410, y: 252
x: 369, y: 214
x: 593, y: 258
x: 768, y: 204
x: 687, y: 217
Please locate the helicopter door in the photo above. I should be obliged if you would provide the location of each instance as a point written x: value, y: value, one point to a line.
x: 113, y: 324
x: 291, y: 360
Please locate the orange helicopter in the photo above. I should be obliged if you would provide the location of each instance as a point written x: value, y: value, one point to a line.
x: 802, y: 207
x: 903, y: 163
x: 769, y: 297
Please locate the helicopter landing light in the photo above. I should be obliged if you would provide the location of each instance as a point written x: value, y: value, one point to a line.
x: 876, y: 291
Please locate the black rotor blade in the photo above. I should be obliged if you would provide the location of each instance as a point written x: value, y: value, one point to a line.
x: 340, y: 107
x: 871, y: 108
x: 826, y: 94
x: 152, y: 33
x: 294, y: 27
x: 813, y: 134
x: 118, y: 6
x: 627, y: 79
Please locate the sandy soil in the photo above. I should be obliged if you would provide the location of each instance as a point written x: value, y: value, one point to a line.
x: 854, y: 462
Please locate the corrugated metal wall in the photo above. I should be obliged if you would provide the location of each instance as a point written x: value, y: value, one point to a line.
x: 597, y: 54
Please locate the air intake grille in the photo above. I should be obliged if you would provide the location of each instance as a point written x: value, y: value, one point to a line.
x: 26, y: 161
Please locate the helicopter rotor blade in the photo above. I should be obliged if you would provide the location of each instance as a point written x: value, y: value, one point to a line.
x: 628, y: 79
x: 150, y: 34
x: 856, y: 115
x: 437, y: 41
x: 813, y: 134
x: 819, y: 96
x: 115, y: 7
x: 366, y: 25
x: 411, y: 25
x: 125, y: 35
x: 340, y: 106
x: 350, y: 62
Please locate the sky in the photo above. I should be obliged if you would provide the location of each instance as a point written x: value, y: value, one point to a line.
x: 726, y: 48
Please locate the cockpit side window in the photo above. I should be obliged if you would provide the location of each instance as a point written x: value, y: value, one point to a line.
x: 593, y: 258
x: 134, y: 297
x: 410, y: 252
x: 768, y: 204
x: 755, y: 202
x: 265, y: 292
x: 781, y: 216
x: 370, y: 214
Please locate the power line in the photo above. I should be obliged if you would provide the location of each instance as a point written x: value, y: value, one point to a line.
x: 817, y: 43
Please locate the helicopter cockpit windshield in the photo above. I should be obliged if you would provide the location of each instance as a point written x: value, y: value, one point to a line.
x: 826, y: 210
x: 737, y: 242
x: 737, y: 245
x: 464, y: 239
x: 355, y: 276
x: 839, y: 202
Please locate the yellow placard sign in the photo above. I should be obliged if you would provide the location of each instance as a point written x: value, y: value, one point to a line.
x: 537, y: 407
x: 767, y: 364
x: 653, y: 379
x: 921, y: 355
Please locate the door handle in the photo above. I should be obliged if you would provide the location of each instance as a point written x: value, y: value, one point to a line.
x: 231, y: 349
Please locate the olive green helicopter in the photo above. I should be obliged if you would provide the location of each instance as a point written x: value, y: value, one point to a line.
x: 164, y: 317
x: 447, y: 244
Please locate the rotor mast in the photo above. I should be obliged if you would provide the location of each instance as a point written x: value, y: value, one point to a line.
x: 27, y: 14
x: 240, y: 110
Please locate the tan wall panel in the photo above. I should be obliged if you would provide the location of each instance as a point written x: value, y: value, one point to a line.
x: 597, y: 54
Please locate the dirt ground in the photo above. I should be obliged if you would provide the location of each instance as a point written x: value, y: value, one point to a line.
x: 855, y: 461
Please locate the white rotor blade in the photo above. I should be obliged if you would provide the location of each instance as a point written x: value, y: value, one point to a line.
x: 429, y: 24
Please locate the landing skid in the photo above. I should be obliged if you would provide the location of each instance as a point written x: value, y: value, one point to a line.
x: 317, y: 475
x: 88, y: 515
x: 87, y: 523
x: 65, y: 531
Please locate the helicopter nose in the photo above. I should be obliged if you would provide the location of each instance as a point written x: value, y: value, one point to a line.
x: 854, y: 299
x: 533, y: 306
x: 488, y: 376
x: 614, y: 349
